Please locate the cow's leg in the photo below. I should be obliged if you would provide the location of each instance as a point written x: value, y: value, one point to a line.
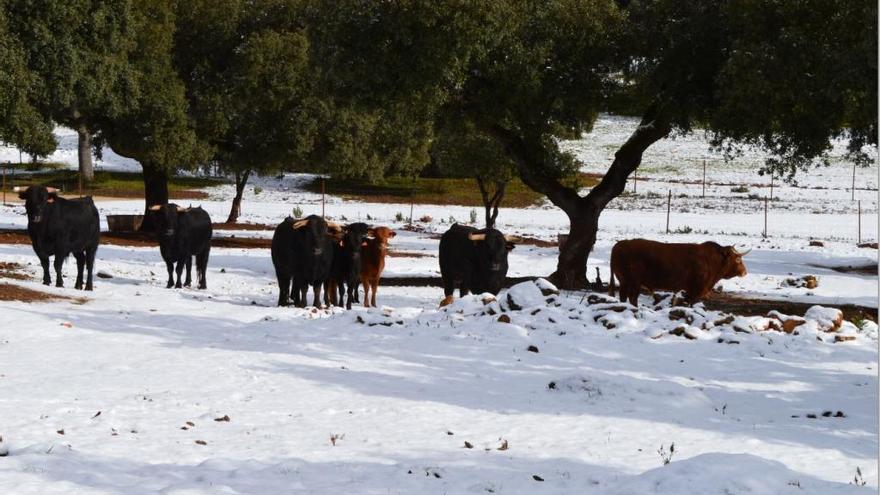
x: 90, y: 265
x: 59, y: 264
x: 294, y: 292
x: 375, y: 286
x: 303, y: 295
x: 44, y: 262
x: 339, y: 294
x: 330, y: 293
x: 283, y: 288
x: 179, y: 270
x: 170, y: 266
x: 623, y: 291
x: 80, y: 265
x: 316, y: 288
x: 349, y: 293
x: 633, y: 289
x: 202, y: 267
x: 366, y: 282
x: 357, y: 291
x: 189, y: 264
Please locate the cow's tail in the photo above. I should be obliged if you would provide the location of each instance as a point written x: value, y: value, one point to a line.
x: 611, y: 285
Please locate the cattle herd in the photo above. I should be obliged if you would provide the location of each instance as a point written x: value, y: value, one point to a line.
x: 336, y: 259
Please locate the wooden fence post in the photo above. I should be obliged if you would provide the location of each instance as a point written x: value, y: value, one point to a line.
x: 322, y: 197
x: 772, y: 179
x: 704, y: 179
x: 854, y: 183
x: 635, y: 179
x: 668, y: 209
x: 4, y: 185
x: 766, y: 206
x: 860, y: 221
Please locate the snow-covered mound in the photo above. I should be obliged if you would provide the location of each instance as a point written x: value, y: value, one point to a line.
x: 726, y: 474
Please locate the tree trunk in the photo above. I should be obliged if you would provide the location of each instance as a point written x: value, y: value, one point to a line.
x: 583, y: 212
x: 241, y: 179
x: 155, y: 192
x: 571, y: 267
x: 86, y: 166
x: 490, y: 204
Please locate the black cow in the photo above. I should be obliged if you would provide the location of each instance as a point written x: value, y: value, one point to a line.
x: 345, y: 271
x: 284, y: 258
x: 183, y: 233
x: 475, y: 260
x: 302, y: 253
x: 61, y: 227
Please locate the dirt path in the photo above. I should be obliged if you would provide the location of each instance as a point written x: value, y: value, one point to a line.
x: 728, y: 303
x: 143, y: 239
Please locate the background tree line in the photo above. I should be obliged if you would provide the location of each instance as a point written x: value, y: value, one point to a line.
x: 355, y: 88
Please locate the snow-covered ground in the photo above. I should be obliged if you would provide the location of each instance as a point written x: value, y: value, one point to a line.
x: 66, y: 152
x: 121, y: 394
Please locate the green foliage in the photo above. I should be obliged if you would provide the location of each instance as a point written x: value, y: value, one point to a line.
x: 473, y: 214
x: 787, y: 76
x: 21, y: 123
x: 78, y: 53
x: 245, y: 65
x: 424, y: 190
x: 114, y: 184
x: 154, y: 127
x: 542, y: 75
x: 297, y: 212
x: 461, y: 150
x: 384, y: 69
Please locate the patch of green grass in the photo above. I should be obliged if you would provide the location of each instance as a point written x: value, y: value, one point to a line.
x: 438, y: 191
x: 114, y: 184
x: 30, y: 167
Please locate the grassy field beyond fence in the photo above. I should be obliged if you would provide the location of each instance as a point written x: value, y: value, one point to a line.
x: 110, y: 184
x: 437, y: 191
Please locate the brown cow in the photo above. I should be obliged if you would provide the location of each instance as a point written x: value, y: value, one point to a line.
x: 694, y: 268
x: 373, y: 261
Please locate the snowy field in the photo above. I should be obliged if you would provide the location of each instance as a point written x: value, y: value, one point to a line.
x: 140, y: 389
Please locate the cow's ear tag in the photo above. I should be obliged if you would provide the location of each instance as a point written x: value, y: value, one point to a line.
x: 364, y: 244
x: 51, y: 199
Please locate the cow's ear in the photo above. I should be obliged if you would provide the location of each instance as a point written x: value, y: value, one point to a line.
x: 509, y: 246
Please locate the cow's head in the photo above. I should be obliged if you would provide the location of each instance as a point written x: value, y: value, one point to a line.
x: 491, y: 249
x: 732, y: 262
x: 37, y: 201
x: 167, y: 218
x: 313, y: 232
x: 354, y: 235
x: 383, y: 234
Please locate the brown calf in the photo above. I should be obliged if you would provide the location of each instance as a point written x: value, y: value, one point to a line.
x: 373, y: 253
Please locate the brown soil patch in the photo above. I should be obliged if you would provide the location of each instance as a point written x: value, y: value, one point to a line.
x: 730, y: 303
x: 111, y: 193
x: 14, y: 237
x: 861, y: 269
x: 243, y: 226
x: 11, y: 292
x: 142, y: 239
x: 408, y: 254
x: 12, y: 270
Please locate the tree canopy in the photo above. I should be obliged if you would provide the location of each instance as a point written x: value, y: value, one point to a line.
x: 366, y: 89
x: 21, y: 122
